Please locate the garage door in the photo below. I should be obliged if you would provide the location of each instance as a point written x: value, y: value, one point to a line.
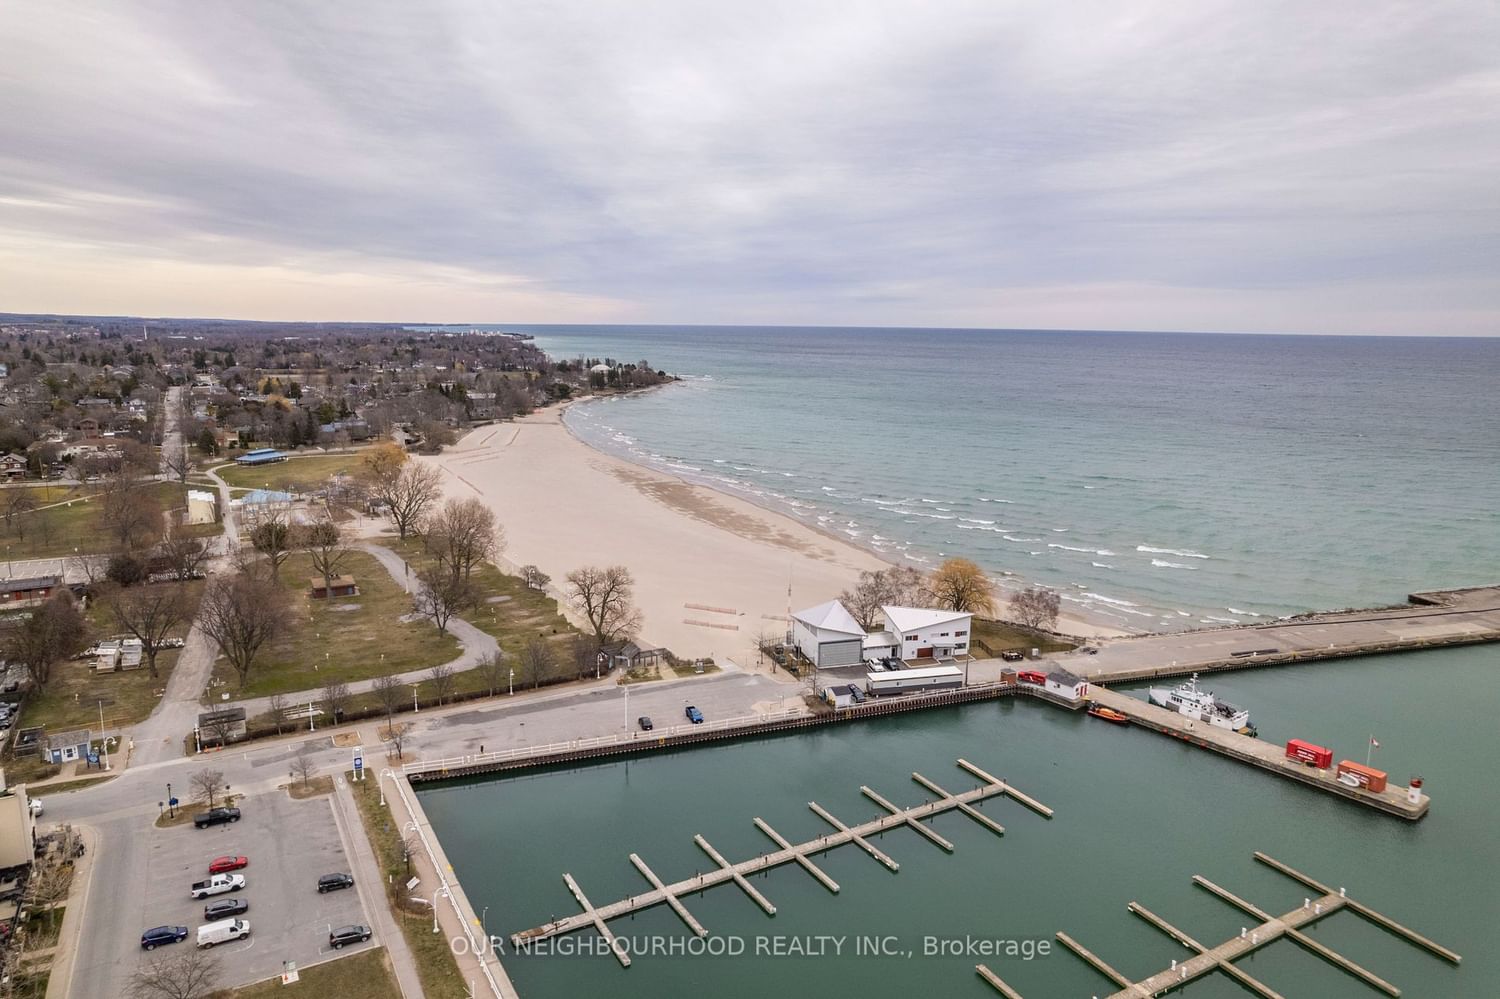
x: 850, y: 653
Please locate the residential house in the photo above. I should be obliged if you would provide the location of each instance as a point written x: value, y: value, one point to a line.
x: 928, y: 634
x: 12, y: 466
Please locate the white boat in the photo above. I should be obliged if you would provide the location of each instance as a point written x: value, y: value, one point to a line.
x: 1202, y: 705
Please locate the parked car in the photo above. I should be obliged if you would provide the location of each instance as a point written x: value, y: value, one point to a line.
x: 223, y: 931
x: 217, y: 885
x: 36, y: 808
x: 693, y: 715
x: 223, y: 865
x: 225, y: 908
x: 1090, y: 650
x: 215, y: 816
x: 158, y: 935
x: 644, y: 721
x: 348, y: 935
x: 333, y: 882
x: 856, y: 695
x: 1012, y: 656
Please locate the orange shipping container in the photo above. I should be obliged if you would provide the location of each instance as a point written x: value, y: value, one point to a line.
x: 1368, y: 777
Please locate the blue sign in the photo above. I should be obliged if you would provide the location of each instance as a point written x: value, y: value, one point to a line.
x: 93, y: 759
x: 359, y: 763
x: 173, y: 802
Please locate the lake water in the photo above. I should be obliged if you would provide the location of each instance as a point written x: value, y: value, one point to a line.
x: 1137, y: 814
x: 1157, y: 480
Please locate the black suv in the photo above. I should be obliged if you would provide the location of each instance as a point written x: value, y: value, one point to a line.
x: 348, y: 935
x: 158, y: 935
x: 225, y: 909
x: 333, y: 882
x: 215, y: 816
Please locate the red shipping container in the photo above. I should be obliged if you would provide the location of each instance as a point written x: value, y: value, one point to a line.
x: 1369, y: 778
x: 1306, y: 752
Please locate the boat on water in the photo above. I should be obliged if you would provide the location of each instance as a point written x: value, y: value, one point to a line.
x: 1202, y: 705
x: 1109, y: 714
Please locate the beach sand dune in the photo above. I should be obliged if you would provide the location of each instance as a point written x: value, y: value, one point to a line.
x: 711, y: 571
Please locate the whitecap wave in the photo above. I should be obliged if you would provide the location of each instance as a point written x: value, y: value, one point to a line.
x: 1162, y: 563
x: 1180, y: 553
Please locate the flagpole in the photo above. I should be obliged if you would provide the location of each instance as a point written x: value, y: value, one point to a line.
x: 1369, y: 748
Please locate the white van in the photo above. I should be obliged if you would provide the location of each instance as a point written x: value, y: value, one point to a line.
x: 222, y: 931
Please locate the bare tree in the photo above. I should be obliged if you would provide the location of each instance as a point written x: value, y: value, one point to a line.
x: 960, y: 585
x: 276, y: 708
x: 410, y: 844
x: 493, y: 670
x: 407, y: 490
x: 534, y: 577
x: 273, y: 536
x: 15, y: 504
x: 1036, y: 607
x: 897, y: 585
x: 440, y: 594
x: 304, y: 768
x: 206, y: 785
x: 461, y: 534
x: 93, y: 568
x: 387, y: 690
x: 395, y: 733
x: 127, y: 511
x: 190, y: 974
x: 221, y: 729
x: 53, y: 632
x: 241, y: 613
x: 327, y: 547
x: 537, y: 660
x: 442, y: 679
x: 177, y: 462
x: 605, y: 598
x: 184, y: 556
x: 149, y: 613
x: 336, y: 696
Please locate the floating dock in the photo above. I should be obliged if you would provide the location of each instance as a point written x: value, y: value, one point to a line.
x: 1205, y: 959
x: 799, y: 853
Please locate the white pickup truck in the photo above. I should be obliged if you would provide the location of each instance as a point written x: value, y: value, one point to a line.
x: 218, y: 885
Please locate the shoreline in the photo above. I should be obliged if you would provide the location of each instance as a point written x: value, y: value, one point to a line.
x: 712, y: 571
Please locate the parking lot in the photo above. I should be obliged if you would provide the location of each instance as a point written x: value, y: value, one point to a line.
x: 289, y: 844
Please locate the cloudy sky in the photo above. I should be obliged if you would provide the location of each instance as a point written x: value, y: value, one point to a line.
x: 1213, y: 165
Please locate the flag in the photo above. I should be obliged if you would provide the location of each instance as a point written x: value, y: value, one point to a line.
x: 1374, y: 742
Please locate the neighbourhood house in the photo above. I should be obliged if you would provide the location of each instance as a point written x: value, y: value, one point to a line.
x: 338, y: 586
x: 67, y: 747
x: 1065, y: 684
x: 827, y: 635
x: 28, y: 590
x: 12, y: 465
x: 928, y: 634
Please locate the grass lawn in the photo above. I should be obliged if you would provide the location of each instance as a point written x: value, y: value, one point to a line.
x: 298, y: 474
x: 73, y: 524
x: 435, y: 962
x: 345, y: 638
x: 1001, y: 636
x: 509, y: 611
x: 71, y: 698
x: 63, y: 787
x: 366, y: 974
x: 314, y: 787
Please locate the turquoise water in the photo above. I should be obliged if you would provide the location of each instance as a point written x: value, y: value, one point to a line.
x: 1137, y: 815
x: 1158, y: 480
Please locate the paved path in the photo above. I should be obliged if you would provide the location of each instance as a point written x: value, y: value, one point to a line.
x: 476, y: 645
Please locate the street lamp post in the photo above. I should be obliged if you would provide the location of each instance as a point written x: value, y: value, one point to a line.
x: 512, y: 684
x: 387, y: 772
x: 440, y: 893
x: 414, y: 706
x: 171, y: 802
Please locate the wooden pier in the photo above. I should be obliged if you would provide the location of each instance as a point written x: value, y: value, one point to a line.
x: 1206, y: 960
x: 799, y: 853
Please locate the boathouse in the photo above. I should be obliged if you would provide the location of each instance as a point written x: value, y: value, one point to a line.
x: 827, y: 635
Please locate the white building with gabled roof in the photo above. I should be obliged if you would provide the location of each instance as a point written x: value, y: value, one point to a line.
x: 923, y: 633
x: 828, y: 635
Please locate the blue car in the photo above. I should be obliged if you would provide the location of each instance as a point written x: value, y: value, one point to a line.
x: 693, y: 715
x: 158, y: 935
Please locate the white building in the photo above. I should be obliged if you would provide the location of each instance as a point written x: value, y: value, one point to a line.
x: 828, y: 635
x: 928, y: 634
x: 1065, y: 684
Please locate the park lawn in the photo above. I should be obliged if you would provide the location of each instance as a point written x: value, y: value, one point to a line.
x: 298, y: 474
x: 436, y: 965
x: 325, y: 644
x: 72, y: 525
x: 509, y: 611
x: 1001, y: 636
x: 366, y: 974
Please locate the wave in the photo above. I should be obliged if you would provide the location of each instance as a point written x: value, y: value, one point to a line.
x: 1022, y: 540
x: 1060, y: 530
x: 1101, y: 565
x: 975, y: 520
x: 1164, y: 564
x: 1087, y: 551
x: 1170, y: 551
x: 1112, y: 601
x: 1242, y: 613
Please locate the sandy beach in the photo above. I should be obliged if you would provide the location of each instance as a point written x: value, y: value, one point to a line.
x: 711, y: 570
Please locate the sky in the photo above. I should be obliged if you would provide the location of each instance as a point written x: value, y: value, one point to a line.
x: 1215, y: 165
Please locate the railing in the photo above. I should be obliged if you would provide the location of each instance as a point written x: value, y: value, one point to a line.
x: 633, y: 738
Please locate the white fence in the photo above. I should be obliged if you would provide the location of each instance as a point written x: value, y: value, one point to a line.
x: 632, y: 738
